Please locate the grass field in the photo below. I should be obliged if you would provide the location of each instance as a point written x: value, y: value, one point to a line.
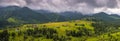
x: 79, y: 30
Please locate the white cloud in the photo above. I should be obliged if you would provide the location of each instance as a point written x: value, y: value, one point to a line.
x: 113, y: 11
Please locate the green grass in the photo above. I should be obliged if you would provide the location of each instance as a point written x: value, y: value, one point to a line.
x: 61, y: 28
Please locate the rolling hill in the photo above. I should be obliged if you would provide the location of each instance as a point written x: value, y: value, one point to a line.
x: 21, y: 15
x: 12, y: 15
x: 24, y: 24
x: 25, y: 15
x: 79, y: 30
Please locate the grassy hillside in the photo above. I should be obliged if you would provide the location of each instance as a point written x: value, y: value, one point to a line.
x: 79, y: 30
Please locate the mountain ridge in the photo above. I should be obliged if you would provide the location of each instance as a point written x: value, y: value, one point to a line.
x: 26, y: 15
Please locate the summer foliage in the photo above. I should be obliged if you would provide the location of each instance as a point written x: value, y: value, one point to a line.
x: 24, y: 24
x: 79, y: 30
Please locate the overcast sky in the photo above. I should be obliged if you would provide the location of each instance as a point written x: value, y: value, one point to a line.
x: 84, y: 6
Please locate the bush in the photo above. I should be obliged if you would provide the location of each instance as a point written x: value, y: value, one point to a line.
x: 79, y: 32
x: 4, y: 36
x: 46, y: 32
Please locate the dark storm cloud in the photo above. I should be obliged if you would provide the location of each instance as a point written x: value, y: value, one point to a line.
x: 65, y: 5
x: 12, y: 2
x: 93, y: 3
x: 96, y: 3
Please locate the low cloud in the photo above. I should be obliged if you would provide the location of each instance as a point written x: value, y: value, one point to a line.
x: 84, y: 6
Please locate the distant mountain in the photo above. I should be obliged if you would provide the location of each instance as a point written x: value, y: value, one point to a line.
x: 62, y: 16
x: 14, y: 14
x: 115, y: 16
x: 102, y: 16
x: 21, y: 15
x: 72, y: 15
x: 44, y: 11
x: 53, y: 16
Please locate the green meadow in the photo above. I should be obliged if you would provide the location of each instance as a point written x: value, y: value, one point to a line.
x: 79, y: 30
